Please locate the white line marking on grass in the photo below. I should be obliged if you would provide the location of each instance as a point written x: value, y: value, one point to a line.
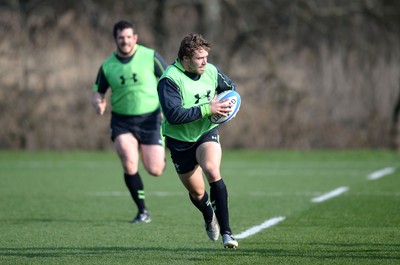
x: 125, y: 193
x: 258, y: 228
x: 281, y: 194
x: 330, y: 194
x: 109, y: 193
x: 380, y: 173
x: 166, y: 193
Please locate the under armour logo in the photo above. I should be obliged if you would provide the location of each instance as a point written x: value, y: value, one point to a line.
x: 198, y: 97
x: 123, y: 78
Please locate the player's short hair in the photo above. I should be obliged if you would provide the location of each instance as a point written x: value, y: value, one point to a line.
x: 191, y: 43
x: 121, y: 25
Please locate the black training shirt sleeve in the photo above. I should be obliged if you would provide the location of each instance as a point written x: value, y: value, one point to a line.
x: 159, y: 65
x: 224, y: 82
x: 102, y: 82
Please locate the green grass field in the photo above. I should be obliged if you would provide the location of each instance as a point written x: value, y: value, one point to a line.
x: 73, y: 208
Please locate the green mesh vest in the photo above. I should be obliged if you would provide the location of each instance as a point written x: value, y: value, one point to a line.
x: 193, y: 93
x: 133, y: 85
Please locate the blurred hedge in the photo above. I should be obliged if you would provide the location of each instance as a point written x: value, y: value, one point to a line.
x: 312, y: 74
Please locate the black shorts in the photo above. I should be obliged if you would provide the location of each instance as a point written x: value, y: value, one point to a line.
x: 145, y: 128
x: 183, y: 154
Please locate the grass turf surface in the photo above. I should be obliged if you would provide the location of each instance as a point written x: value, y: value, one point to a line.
x: 73, y: 208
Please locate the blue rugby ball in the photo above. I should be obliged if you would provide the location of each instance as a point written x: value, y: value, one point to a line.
x: 234, y: 99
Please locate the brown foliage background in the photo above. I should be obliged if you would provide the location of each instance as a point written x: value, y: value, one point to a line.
x: 312, y: 74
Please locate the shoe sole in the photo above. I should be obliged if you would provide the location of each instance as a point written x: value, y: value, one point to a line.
x: 144, y: 222
x: 138, y: 222
x: 231, y: 246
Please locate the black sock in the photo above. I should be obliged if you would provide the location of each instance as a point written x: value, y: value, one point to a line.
x: 204, y: 206
x: 219, y: 200
x: 135, y: 186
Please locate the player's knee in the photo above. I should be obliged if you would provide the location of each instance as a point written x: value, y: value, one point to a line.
x: 212, y: 174
x: 129, y: 166
x: 156, y: 171
x: 196, y: 195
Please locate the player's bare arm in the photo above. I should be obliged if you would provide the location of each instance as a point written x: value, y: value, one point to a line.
x: 99, y: 102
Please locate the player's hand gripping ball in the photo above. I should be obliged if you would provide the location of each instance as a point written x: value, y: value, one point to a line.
x: 234, y: 99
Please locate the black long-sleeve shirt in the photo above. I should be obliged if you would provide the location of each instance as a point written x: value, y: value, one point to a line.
x: 171, y: 100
